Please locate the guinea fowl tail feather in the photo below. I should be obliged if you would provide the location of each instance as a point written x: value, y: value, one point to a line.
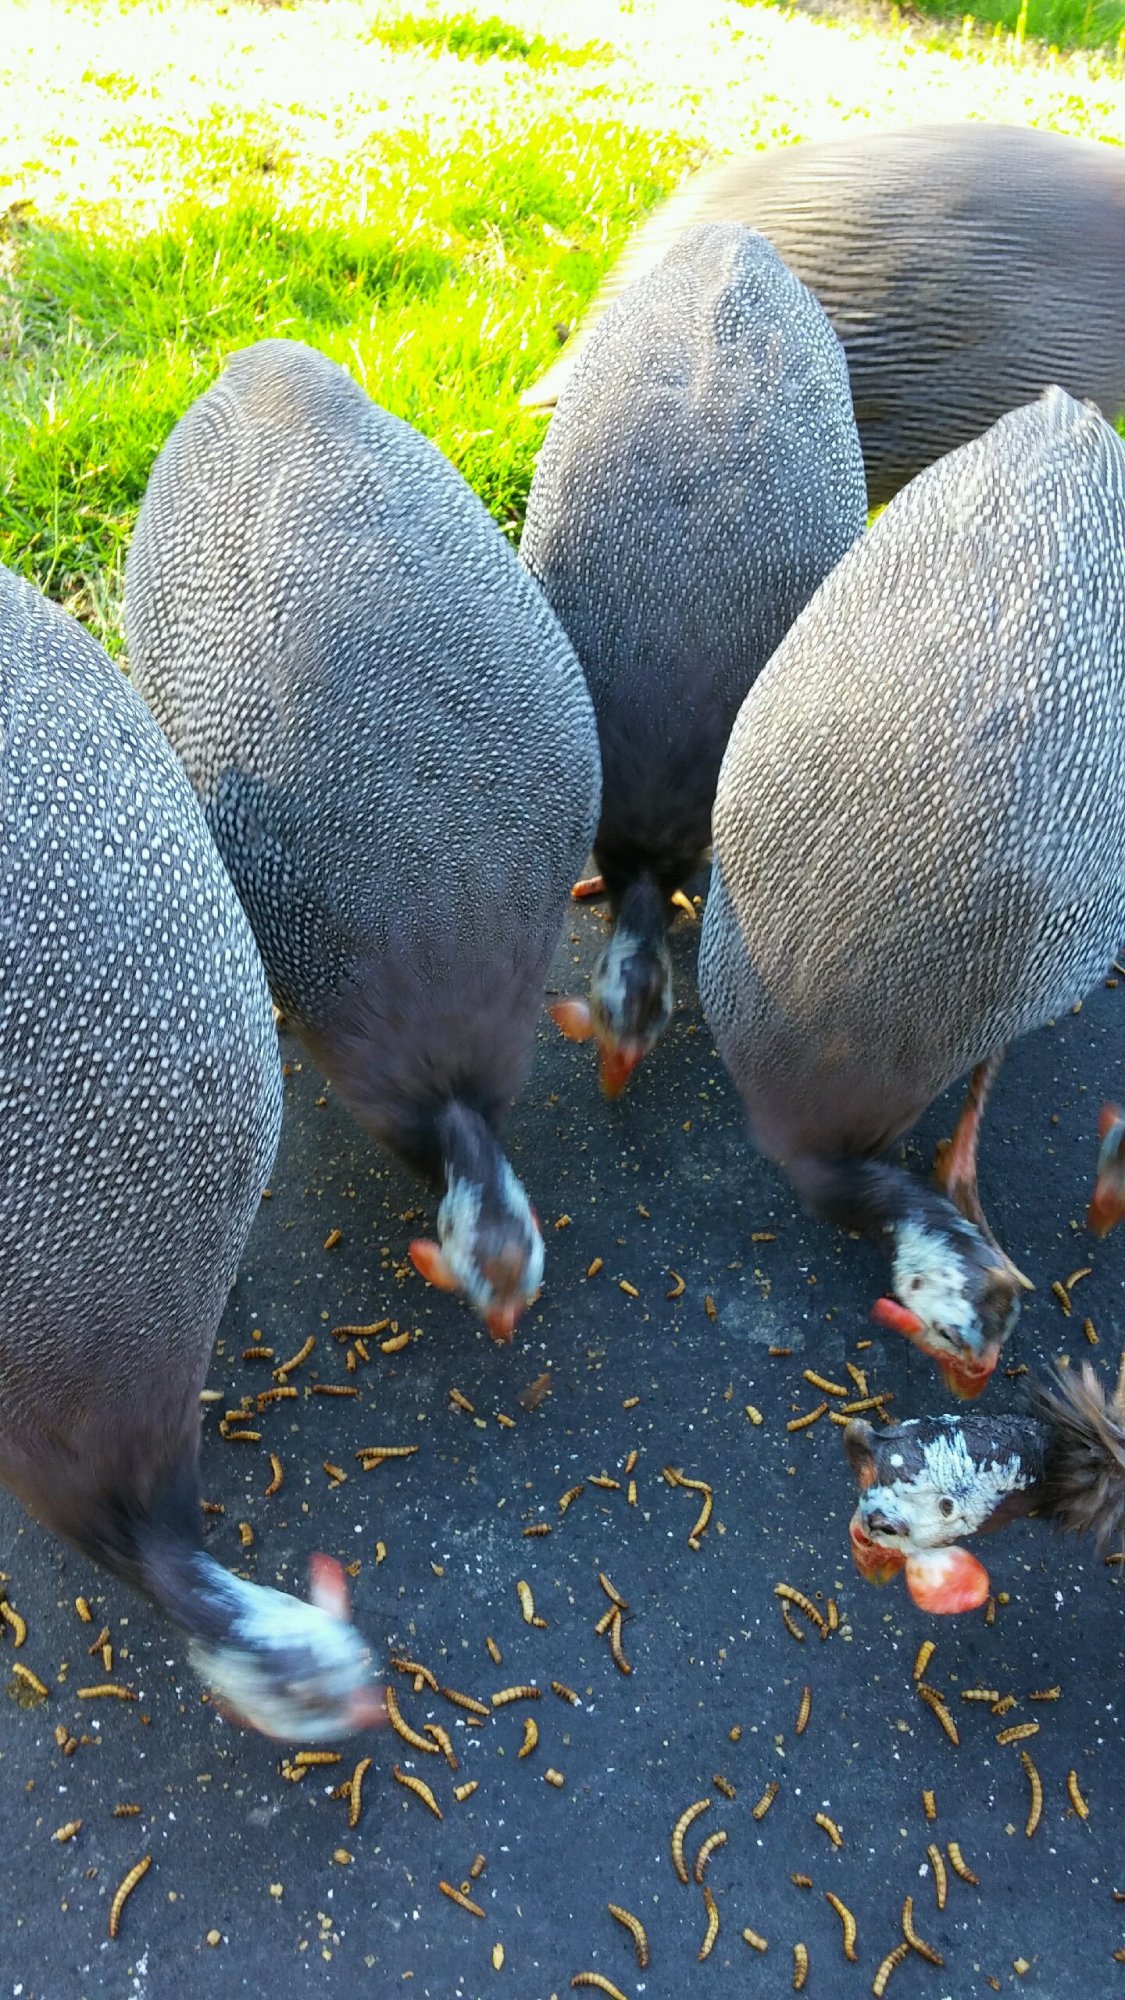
x: 1084, y: 1485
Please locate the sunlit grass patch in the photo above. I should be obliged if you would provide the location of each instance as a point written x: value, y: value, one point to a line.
x: 465, y: 35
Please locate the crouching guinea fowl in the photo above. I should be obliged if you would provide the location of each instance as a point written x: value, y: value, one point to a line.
x: 700, y: 477
x: 396, y: 754
x: 913, y: 865
x: 140, y: 1103
x: 927, y: 1484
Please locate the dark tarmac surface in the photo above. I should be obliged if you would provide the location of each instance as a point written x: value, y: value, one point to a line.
x: 241, y: 1852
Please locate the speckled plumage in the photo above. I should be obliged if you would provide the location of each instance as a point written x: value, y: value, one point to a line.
x: 916, y: 856
x: 964, y: 267
x: 700, y: 477
x: 140, y: 1106
x: 389, y: 734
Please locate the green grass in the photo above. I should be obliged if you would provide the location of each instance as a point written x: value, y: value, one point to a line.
x: 1065, y: 24
x: 426, y: 196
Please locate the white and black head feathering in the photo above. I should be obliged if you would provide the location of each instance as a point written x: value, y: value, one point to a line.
x: 390, y: 736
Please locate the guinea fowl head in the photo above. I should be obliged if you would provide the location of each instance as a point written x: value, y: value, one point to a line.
x: 1107, y: 1203
x: 296, y: 1671
x: 956, y: 1297
x: 489, y: 1244
x: 630, y: 1006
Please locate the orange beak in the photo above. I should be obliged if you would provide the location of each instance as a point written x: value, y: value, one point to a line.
x: 1106, y: 1208
x: 889, y: 1313
x: 616, y: 1066
x: 501, y: 1321
x: 946, y: 1580
x: 965, y: 1378
x: 877, y: 1564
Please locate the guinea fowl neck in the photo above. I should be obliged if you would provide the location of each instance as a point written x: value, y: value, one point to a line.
x: 871, y: 1196
x: 642, y: 910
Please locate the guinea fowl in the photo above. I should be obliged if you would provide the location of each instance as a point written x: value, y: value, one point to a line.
x: 964, y: 267
x: 928, y: 1483
x: 396, y: 754
x: 140, y: 1104
x: 911, y: 861
x: 700, y: 477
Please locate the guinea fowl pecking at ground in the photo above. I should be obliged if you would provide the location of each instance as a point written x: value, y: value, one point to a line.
x: 928, y: 1483
x: 912, y: 866
x: 140, y: 1105
x: 964, y: 267
x: 397, y: 757
x: 700, y: 477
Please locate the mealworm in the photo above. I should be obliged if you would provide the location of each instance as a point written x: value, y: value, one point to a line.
x: 613, y: 1595
x: 631, y: 1462
x: 444, y: 1742
x: 712, y: 1909
x: 713, y: 1840
x: 754, y: 1413
x: 800, y: 1966
x: 1076, y: 1798
x: 124, y: 1892
x: 530, y: 1736
x: 616, y: 1651
x: 463, y: 1902
x: 278, y: 1474
x: 959, y: 1864
x: 636, y: 1931
x: 803, y: 1603
x: 980, y: 1694
x: 295, y: 1360
x: 679, y: 1831
x: 848, y: 1921
x: 1045, y: 1694
x: 564, y: 1693
x: 418, y: 1786
x: 755, y: 1942
x: 465, y: 1701
x: 801, y: 1881
x: 509, y: 1423
x: 829, y: 1827
x: 346, y: 1332
x: 1003, y: 1703
x: 724, y: 1786
x: 572, y: 1493
x: 929, y: 1805
x: 537, y: 1528
x: 376, y: 1453
x: 355, y: 1790
x: 29, y: 1679
x: 332, y: 1388
x: 335, y: 1473
x: 810, y: 1417
x: 925, y: 1654
x: 243, y: 1437
x: 1017, y: 1732
x: 791, y: 1625
x: 833, y: 1617
x: 553, y: 1777
x: 631, y: 1494
x: 1062, y: 1295
x: 893, y: 1958
x: 916, y: 1943
x: 494, y: 1653
x: 858, y: 1377
x: 313, y: 1757
x: 857, y: 1408
x: 462, y: 1402
x: 816, y: 1381
x: 463, y: 1792
x: 677, y: 1290
x: 934, y: 1701
x: 67, y: 1832
x: 1090, y: 1331
x: 599, y: 1980
x: 1036, y: 1783
x: 767, y: 1799
x: 703, y: 1522
x: 606, y: 1620
x: 84, y: 1611
x: 12, y: 1617
x: 106, y: 1689
x: 394, y: 1345
x: 521, y: 1693
x: 402, y: 1665
x: 126, y: 1810
x: 401, y: 1727
x: 527, y: 1601
x: 804, y: 1712
x: 941, y: 1883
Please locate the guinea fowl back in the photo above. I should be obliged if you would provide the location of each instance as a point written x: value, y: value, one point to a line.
x: 964, y: 267
x: 391, y: 738
x: 699, y: 478
x: 140, y: 1091
x: 915, y: 821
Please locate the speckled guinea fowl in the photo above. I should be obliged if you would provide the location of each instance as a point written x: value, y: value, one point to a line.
x: 140, y: 1104
x: 396, y: 754
x: 964, y: 267
x: 915, y: 856
x: 700, y: 477
x: 927, y: 1484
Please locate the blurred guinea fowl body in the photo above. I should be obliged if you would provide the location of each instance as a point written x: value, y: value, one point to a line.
x: 700, y: 477
x: 916, y: 860
x: 396, y: 754
x: 964, y: 267
x: 140, y: 1105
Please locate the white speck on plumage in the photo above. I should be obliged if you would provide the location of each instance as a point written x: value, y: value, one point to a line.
x: 393, y: 744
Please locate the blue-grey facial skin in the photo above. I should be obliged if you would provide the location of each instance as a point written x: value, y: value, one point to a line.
x: 931, y: 1482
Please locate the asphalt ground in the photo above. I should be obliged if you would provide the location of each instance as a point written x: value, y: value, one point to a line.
x: 661, y: 1182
